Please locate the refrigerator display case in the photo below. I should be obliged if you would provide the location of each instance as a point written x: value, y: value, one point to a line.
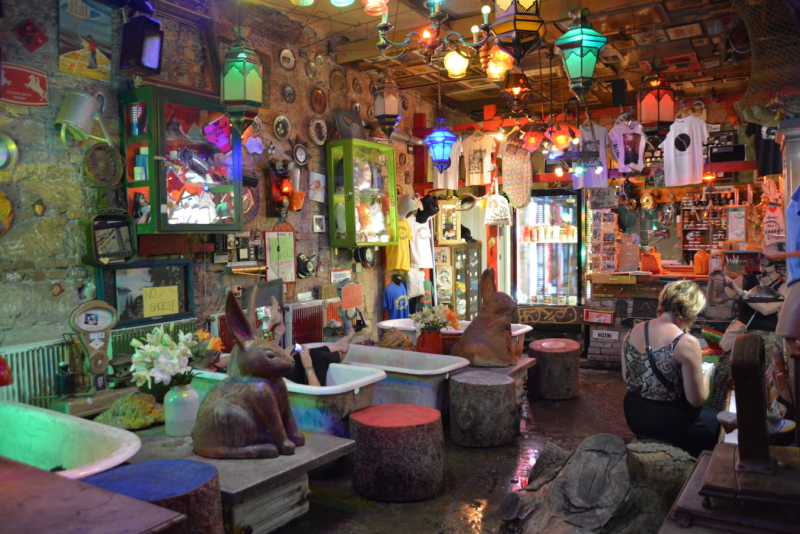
x: 548, y: 248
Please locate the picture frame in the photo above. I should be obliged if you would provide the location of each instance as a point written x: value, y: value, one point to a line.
x: 318, y: 225
x: 686, y: 31
x: 448, y: 222
x: 444, y: 284
x: 441, y: 255
x: 125, y: 287
x: 349, y: 124
x: 701, y: 42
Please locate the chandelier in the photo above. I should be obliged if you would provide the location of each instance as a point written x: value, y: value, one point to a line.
x: 430, y: 42
x: 517, y: 90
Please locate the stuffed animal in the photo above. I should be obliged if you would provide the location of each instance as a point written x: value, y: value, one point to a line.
x: 248, y: 416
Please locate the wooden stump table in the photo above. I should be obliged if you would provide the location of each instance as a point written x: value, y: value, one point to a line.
x: 556, y: 375
x: 399, y: 453
x: 483, y: 409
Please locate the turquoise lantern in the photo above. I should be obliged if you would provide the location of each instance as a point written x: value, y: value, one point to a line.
x: 579, y: 48
x: 440, y: 144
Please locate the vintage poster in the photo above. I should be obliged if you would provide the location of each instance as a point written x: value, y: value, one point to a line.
x: 23, y: 86
x: 84, y: 43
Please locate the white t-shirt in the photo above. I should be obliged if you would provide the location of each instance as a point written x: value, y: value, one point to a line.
x: 598, y: 143
x: 478, y: 151
x: 628, y: 142
x: 420, y: 243
x: 683, y: 151
x: 449, y: 178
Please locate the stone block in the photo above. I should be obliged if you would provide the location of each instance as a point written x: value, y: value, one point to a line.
x: 24, y: 265
x: 5, y: 265
x: 36, y: 276
x: 12, y: 277
x: 77, y: 272
x: 57, y: 274
x: 61, y: 263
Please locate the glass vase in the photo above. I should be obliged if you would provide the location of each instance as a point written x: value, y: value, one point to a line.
x: 180, y: 410
x: 429, y: 342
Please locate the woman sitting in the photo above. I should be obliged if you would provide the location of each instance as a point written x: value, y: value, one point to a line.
x: 311, y: 365
x: 662, y: 368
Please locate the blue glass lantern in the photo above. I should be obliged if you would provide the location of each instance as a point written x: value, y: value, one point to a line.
x: 579, y: 48
x: 440, y: 144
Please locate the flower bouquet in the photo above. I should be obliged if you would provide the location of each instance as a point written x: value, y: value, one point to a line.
x: 160, y: 359
x: 207, y: 350
x: 429, y: 323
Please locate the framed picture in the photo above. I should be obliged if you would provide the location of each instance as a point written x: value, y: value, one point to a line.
x: 650, y: 37
x: 685, y: 32
x: 444, y: 284
x: 349, y: 124
x: 448, y: 222
x: 711, y: 63
x: 148, y: 292
x: 318, y: 224
x: 441, y: 255
x: 701, y: 42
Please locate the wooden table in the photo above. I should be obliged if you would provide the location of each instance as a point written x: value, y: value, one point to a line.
x: 34, y: 500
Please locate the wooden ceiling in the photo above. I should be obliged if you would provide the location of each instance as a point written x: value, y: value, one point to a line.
x: 700, y: 43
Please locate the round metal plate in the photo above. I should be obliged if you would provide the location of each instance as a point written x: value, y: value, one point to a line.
x: 311, y: 69
x: 337, y: 80
x: 287, y: 59
x: 648, y: 202
x: 318, y: 101
x: 103, y: 165
x: 319, y: 60
x: 318, y: 131
x: 251, y: 203
x: 358, y: 86
x: 365, y: 256
x: 371, y: 113
x: 8, y: 152
x: 631, y: 204
x: 355, y: 106
x: 289, y: 94
x: 373, y: 87
x: 282, y: 127
x: 300, y: 154
x: 402, y: 158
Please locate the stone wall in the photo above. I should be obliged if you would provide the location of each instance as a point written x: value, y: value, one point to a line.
x: 38, y: 252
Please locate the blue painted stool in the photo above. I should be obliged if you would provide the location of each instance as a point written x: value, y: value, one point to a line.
x: 185, y: 486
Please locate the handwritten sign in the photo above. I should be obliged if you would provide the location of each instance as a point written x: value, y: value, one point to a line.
x: 604, y: 198
x: 598, y: 316
x: 351, y: 296
x: 160, y: 301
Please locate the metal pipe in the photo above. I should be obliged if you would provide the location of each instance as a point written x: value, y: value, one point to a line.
x: 406, y: 138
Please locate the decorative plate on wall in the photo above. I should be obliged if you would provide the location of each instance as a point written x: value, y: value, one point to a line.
x: 319, y: 60
x: 289, y: 94
x: 373, y: 87
x: 337, y: 80
x: 402, y: 158
x: 371, y: 113
x: 103, y: 165
x: 358, y: 86
x: 8, y: 152
x: 318, y: 101
x: 311, y: 69
x: 251, y: 202
x: 300, y: 154
x: 287, y: 59
x: 282, y: 127
x: 318, y: 131
x: 355, y: 106
x: 405, y: 103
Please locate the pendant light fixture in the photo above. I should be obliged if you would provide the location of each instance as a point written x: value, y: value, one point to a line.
x: 142, y: 41
x: 342, y: 3
x: 498, y: 64
x: 440, y: 141
x: 303, y: 3
x: 656, y: 102
x: 456, y: 65
x: 388, y: 104
x: 374, y: 8
x: 517, y: 90
x: 579, y: 48
x: 518, y: 28
x: 242, y: 81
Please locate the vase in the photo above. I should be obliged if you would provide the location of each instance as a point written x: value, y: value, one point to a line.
x: 180, y: 410
x: 430, y: 342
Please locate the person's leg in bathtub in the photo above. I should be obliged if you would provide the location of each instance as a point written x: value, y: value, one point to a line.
x: 342, y: 345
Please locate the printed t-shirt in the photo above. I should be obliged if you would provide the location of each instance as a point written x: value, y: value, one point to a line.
x: 395, y: 301
x: 596, y: 143
x: 683, y: 151
x: 449, y: 178
x: 768, y: 151
x: 426, y: 300
x: 478, y: 154
x: 420, y: 245
x: 793, y: 236
x: 398, y: 257
x: 627, y: 143
x: 517, y: 175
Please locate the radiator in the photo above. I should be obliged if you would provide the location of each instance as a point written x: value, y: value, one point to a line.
x: 121, y: 339
x: 304, y: 321
x: 34, y: 367
x: 332, y: 310
x: 218, y: 326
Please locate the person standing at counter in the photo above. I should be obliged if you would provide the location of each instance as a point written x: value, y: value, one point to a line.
x: 662, y: 368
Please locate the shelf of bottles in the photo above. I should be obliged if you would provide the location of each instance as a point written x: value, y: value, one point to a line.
x: 548, y: 251
x: 705, y: 220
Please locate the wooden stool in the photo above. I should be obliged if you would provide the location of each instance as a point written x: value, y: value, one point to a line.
x: 185, y: 486
x: 483, y: 409
x: 399, y: 452
x: 556, y: 374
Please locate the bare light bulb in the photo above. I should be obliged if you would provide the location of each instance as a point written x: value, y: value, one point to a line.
x: 559, y: 172
x: 598, y: 169
x: 486, y: 10
x: 576, y: 140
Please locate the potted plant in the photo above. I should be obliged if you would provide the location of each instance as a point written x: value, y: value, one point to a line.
x: 429, y: 322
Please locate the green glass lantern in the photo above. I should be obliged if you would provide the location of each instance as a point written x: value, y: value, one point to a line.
x: 579, y: 48
x: 518, y: 28
x: 242, y: 81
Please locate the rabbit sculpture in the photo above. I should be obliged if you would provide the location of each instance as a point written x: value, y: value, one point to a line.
x: 248, y: 416
x: 487, y: 340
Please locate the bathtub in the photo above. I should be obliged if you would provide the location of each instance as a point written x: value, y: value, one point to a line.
x: 412, y: 377
x: 406, y: 326
x: 321, y: 409
x: 47, y: 439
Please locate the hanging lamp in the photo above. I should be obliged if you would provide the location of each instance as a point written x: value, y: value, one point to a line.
x: 456, y: 65
x: 561, y: 135
x: 375, y: 8
x: 532, y: 139
x: 387, y: 104
x: 656, y: 99
x: 440, y: 141
x: 242, y: 81
x: 342, y: 3
x: 498, y: 64
x: 142, y: 42
x: 579, y: 48
x: 302, y: 3
x: 518, y: 28
x: 517, y: 90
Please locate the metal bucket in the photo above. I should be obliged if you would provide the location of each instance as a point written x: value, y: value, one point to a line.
x: 77, y: 115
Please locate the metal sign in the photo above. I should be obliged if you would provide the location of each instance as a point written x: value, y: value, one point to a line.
x: 605, y: 334
x: 24, y: 86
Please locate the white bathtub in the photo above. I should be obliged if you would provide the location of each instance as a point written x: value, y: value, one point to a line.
x: 47, y: 440
x: 321, y: 409
x: 412, y: 377
x: 406, y: 326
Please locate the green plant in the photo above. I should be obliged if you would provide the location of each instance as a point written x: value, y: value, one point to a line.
x: 161, y: 359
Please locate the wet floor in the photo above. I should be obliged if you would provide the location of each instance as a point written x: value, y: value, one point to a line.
x: 476, y: 480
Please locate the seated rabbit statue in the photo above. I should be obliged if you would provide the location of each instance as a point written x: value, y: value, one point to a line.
x: 487, y: 340
x: 249, y: 416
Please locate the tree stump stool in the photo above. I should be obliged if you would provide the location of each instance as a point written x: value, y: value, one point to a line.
x: 556, y: 374
x: 185, y: 486
x: 399, y: 452
x: 483, y: 409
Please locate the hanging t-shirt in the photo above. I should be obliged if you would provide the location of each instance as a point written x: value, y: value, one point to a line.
x: 683, y: 151
x: 398, y: 257
x: 627, y: 143
x: 593, y: 143
x: 478, y: 154
x: 417, y: 304
x: 793, y: 236
x: 395, y: 300
x: 420, y: 246
x: 768, y: 151
x: 517, y: 174
x: 449, y: 178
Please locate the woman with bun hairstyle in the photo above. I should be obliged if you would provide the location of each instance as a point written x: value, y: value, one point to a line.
x: 662, y: 367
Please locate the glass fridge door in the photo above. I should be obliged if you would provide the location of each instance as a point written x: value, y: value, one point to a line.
x: 548, y: 250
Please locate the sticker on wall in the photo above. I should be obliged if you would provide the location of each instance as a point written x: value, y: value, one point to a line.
x: 24, y: 86
x: 316, y: 186
x: 30, y: 34
x: 84, y: 39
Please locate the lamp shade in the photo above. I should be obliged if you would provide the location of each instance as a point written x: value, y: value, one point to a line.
x: 518, y: 28
x: 517, y: 90
x: 440, y: 144
x: 499, y: 63
x: 303, y: 3
x: 342, y: 3
x: 375, y: 8
x: 456, y: 65
x: 561, y: 136
x: 242, y: 81
x: 656, y: 100
x: 532, y: 140
x: 579, y: 48
x: 387, y: 104
x: 142, y: 44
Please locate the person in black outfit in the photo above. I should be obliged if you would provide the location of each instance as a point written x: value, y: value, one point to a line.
x: 311, y: 365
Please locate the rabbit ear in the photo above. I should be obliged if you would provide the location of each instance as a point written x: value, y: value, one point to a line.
x: 238, y: 324
x: 488, y: 286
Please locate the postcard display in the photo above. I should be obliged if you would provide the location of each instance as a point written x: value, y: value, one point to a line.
x: 604, y: 249
x: 183, y: 163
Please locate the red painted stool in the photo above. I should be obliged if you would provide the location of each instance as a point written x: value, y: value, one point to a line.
x: 399, y: 452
